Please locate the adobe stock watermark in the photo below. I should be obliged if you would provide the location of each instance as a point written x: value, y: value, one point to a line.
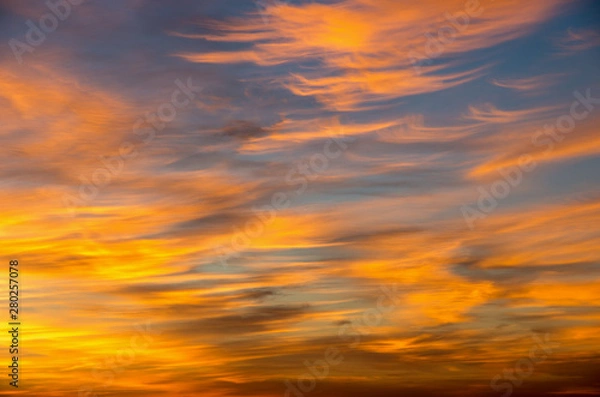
x: 512, y: 176
x: 304, y: 172
x: 436, y: 46
x: 105, y: 373
x: 523, y: 368
x: 146, y: 128
x: 332, y: 356
x: 263, y: 5
x: 36, y: 34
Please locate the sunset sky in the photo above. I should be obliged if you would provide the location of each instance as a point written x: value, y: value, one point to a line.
x: 328, y: 198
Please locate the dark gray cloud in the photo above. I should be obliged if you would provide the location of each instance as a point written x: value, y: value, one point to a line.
x: 244, y: 129
x: 253, y: 320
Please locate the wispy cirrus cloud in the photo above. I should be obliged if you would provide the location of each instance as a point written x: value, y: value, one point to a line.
x: 387, y: 210
x: 534, y: 85
x: 577, y: 40
x: 362, y: 45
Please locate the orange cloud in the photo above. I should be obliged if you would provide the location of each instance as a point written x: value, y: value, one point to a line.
x: 364, y: 46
